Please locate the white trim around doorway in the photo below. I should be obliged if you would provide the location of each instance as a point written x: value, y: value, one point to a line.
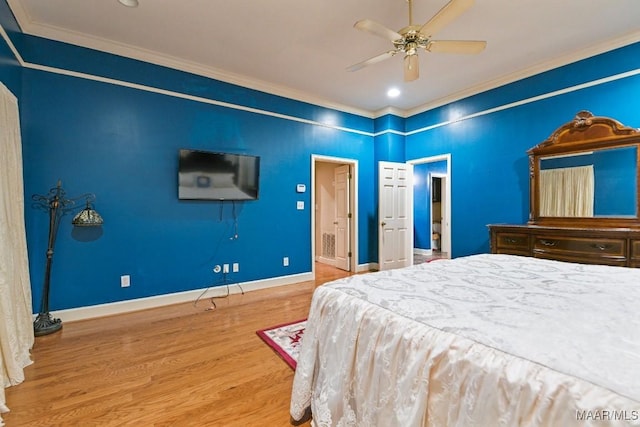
x: 315, y: 158
x: 434, y: 159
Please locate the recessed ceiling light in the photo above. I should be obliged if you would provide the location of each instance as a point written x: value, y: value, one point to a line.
x: 393, y: 92
x: 129, y: 3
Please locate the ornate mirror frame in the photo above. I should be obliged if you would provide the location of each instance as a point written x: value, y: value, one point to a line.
x: 584, y: 133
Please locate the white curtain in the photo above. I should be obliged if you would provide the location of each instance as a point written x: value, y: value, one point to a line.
x: 567, y: 192
x: 16, y: 319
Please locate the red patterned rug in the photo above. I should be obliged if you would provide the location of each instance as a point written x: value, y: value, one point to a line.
x: 285, y: 340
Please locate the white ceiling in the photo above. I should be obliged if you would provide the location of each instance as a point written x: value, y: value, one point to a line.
x: 300, y: 49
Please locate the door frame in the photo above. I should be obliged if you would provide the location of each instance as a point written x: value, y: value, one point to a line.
x: 353, y: 202
x: 342, y: 219
x: 443, y: 181
x: 447, y: 194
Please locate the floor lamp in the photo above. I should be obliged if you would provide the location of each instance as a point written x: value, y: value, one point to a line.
x: 56, y: 203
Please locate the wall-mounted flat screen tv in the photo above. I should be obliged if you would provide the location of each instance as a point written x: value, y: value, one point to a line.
x: 205, y: 175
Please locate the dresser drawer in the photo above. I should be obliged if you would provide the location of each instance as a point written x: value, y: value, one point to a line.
x: 512, y: 243
x: 585, y: 245
x: 580, y: 246
x: 635, y: 251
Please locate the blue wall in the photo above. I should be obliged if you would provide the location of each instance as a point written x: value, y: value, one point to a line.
x: 488, y: 152
x: 388, y: 147
x: 10, y: 70
x: 122, y: 144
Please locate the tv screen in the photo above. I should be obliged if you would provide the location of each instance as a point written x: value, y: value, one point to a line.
x: 204, y: 175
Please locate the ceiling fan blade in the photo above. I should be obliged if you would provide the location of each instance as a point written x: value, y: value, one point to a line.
x: 371, y: 61
x: 411, y: 68
x: 456, y: 46
x: 377, y: 29
x: 448, y: 13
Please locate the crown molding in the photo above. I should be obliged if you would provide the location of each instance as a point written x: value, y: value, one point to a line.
x: 389, y: 110
x: 28, y: 26
x: 560, y: 61
x: 156, y: 58
x: 20, y: 13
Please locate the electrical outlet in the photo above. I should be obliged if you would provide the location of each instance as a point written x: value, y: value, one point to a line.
x: 285, y: 261
x: 217, y: 269
x: 125, y: 281
x: 236, y: 267
x: 225, y: 268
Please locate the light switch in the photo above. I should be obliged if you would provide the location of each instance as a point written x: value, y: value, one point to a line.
x: 300, y: 205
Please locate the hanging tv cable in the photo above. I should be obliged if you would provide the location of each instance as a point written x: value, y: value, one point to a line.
x: 235, y: 222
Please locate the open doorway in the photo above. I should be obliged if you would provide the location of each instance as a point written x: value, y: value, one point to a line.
x: 432, y: 208
x: 439, y: 243
x: 334, y: 228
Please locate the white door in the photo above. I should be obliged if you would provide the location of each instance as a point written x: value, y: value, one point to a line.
x: 445, y: 244
x: 342, y: 175
x: 395, y: 215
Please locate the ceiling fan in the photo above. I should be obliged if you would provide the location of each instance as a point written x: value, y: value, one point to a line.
x: 413, y: 37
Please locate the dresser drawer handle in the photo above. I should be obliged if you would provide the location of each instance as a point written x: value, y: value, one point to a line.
x: 548, y: 242
x: 600, y: 246
x: 511, y: 240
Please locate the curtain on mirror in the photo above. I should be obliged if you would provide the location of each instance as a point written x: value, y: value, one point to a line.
x: 567, y: 192
x: 16, y: 318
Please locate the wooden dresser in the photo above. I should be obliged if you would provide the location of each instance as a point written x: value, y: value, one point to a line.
x: 611, y: 246
x: 607, y: 237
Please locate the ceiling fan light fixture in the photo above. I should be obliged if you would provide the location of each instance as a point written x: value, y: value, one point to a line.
x: 411, y: 49
x: 129, y: 3
x: 413, y: 37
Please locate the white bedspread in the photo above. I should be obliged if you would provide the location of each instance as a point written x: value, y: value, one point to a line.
x: 486, y: 340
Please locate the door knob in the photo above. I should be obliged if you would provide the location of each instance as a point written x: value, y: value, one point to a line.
x: 383, y: 223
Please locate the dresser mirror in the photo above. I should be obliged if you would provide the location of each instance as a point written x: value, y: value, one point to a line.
x: 599, y: 183
x: 586, y: 173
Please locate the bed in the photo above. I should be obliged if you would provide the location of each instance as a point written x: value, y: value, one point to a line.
x: 484, y: 340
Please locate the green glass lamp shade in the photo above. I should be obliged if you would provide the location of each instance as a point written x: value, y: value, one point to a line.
x: 87, y: 218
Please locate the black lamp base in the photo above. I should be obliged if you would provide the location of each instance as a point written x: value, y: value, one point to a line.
x: 45, y: 324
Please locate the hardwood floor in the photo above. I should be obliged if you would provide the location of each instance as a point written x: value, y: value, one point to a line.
x: 180, y: 365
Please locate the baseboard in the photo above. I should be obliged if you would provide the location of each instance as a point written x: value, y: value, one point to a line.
x: 418, y: 251
x: 120, y: 307
x: 371, y: 266
x: 328, y: 261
